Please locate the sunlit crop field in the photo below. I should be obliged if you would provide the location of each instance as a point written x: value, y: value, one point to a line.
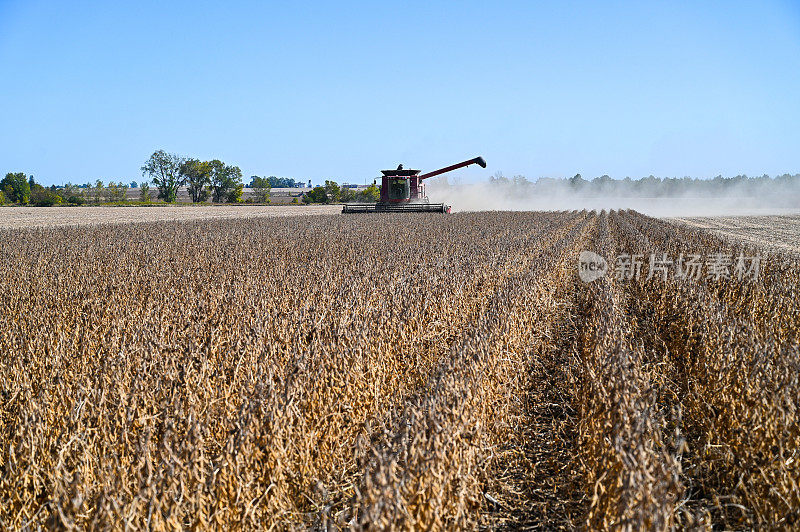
x: 393, y: 371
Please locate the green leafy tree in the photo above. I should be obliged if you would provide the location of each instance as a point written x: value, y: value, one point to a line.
x: 16, y: 187
x: 144, y: 193
x: 164, y: 169
x: 234, y: 194
x: 261, y: 189
x: 116, y: 192
x: 371, y: 194
x: 226, y: 182
x: 316, y: 195
x: 109, y: 192
x: 43, y: 197
x: 66, y: 191
x: 98, y: 191
x: 2, y: 198
x: 284, y: 182
x: 333, y: 191
x: 71, y: 194
x: 197, y: 176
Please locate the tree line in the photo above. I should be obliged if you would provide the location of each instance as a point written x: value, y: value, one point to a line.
x: 331, y: 192
x: 214, y: 179
x: 17, y: 188
x: 168, y: 172
x: 203, y: 179
x: 650, y: 186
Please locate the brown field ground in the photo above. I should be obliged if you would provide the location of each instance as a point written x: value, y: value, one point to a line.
x: 335, y: 372
x: 775, y: 232
x: 20, y: 217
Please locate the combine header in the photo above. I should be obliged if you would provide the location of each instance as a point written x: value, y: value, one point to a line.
x: 404, y: 191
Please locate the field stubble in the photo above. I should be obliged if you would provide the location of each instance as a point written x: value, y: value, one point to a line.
x: 25, y: 217
x: 330, y: 373
x: 777, y: 232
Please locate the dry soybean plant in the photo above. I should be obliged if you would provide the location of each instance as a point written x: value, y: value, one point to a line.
x: 392, y: 372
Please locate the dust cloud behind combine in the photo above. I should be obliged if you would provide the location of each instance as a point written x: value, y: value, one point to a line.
x: 747, y: 198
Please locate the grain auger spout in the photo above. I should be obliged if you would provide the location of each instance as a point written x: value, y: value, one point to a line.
x: 477, y: 160
x: 404, y: 191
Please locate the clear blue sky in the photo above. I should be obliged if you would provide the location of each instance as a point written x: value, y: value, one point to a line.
x: 343, y: 89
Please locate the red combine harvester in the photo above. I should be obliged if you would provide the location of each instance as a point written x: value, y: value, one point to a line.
x: 404, y: 191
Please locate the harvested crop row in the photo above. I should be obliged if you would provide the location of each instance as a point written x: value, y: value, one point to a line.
x: 428, y: 468
x: 630, y: 477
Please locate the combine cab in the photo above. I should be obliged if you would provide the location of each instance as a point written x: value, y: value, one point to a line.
x: 404, y: 191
